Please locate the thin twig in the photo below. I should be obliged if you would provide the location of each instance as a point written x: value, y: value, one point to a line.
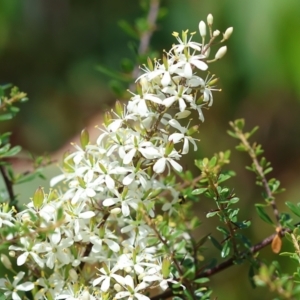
x: 228, y: 263
x: 146, y: 36
x: 261, y: 174
x: 8, y: 184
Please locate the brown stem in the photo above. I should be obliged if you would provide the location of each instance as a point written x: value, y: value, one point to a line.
x: 261, y: 174
x: 228, y: 263
x: 8, y: 184
x: 146, y: 35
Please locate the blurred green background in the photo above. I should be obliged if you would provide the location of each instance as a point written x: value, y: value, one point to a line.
x: 50, y: 49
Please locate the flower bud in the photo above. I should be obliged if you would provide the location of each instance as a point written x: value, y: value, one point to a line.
x: 216, y: 33
x: 85, y: 295
x: 6, y: 262
x: 228, y: 33
x: 38, y: 198
x: 115, y: 211
x: 210, y: 19
x: 119, y: 108
x: 84, y: 138
x: 202, y: 29
x: 221, y: 52
x: 117, y: 287
x: 166, y: 267
x: 73, y: 275
x: 12, y: 253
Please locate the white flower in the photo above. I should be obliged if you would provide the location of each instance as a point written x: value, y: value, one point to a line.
x: 29, y: 248
x: 177, y: 137
x: 11, y: 289
x: 132, y: 291
x: 107, y: 239
x: 106, y: 277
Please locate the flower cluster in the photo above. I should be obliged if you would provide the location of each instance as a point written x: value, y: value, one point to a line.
x: 108, y: 234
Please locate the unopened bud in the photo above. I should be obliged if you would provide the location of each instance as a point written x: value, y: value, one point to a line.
x: 119, y: 108
x: 107, y: 118
x: 228, y: 33
x: 84, y: 138
x: 210, y: 19
x: 166, y: 267
x: 216, y: 32
x: 117, y: 287
x: 38, y: 198
x: 221, y: 52
x: 85, y: 295
x: 202, y: 29
x: 115, y: 211
x: 12, y: 253
x: 73, y: 275
x: 6, y: 262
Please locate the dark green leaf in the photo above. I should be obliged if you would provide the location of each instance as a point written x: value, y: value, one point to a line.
x: 127, y: 28
x: 262, y: 214
x: 215, y: 243
x: 240, y: 123
x: 211, y: 214
x: 226, y: 248
x: 294, y: 208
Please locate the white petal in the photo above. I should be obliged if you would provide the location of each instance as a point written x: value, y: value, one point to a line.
x: 26, y: 286
x: 110, y: 201
x: 160, y: 165
x: 169, y: 101
x: 200, y: 64
x: 175, y: 165
x: 125, y: 210
x: 112, y: 245
x: 109, y: 182
x: 55, y: 180
x: 128, y: 179
x: 129, y: 156
x: 182, y: 105
x: 166, y: 79
x: 87, y: 215
x: 105, y: 284
x: 188, y: 72
x: 22, y: 258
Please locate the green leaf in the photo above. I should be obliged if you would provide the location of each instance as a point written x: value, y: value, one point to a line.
x: 202, y: 280
x: 127, y: 65
x: 241, y: 147
x: 232, y: 134
x: 233, y: 200
x: 268, y: 170
x: 223, y: 177
x: 262, y: 214
x: 226, y: 248
x: 212, y: 162
x: 202, y: 241
x: 127, y: 28
x: 215, y: 243
x: 199, y: 191
x: 6, y: 116
x: 111, y: 73
x: 211, y: 214
x: 240, y: 123
x: 294, y: 208
x: 13, y: 151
